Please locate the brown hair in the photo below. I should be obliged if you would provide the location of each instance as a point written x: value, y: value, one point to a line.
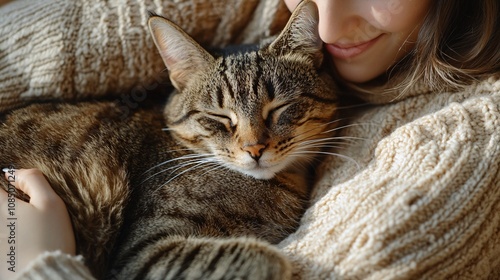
x: 458, y: 44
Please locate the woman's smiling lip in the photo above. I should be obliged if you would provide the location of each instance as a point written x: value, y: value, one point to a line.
x: 347, y: 51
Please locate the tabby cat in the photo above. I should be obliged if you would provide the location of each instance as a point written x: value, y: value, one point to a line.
x: 204, y: 198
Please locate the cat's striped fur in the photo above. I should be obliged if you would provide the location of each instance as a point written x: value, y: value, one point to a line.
x: 180, y: 204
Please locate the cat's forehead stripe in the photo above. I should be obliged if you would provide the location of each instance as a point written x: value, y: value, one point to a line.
x: 270, y: 89
x: 227, y: 84
x: 247, y: 81
x: 220, y: 97
x: 258, y: 73
x: 242, y: 73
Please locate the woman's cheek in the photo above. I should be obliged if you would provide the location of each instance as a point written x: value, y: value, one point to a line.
x: 398, y: 15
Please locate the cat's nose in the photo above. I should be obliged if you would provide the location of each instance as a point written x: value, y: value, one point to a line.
x: 254, y: 150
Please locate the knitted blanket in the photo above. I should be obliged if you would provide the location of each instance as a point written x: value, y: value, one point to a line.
x: 63, y: 49
x: 414, y: 195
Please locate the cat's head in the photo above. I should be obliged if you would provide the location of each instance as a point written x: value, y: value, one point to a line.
x: 256, y: 111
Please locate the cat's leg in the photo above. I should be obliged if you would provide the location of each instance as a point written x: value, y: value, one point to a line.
x: 204, y: 258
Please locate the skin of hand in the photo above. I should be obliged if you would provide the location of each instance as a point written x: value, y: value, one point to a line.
x: 28, y: 229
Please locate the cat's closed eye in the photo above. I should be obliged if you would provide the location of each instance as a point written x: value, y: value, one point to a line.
x: 215, y: 120
x: 273, y: 112
x: 212, y: 124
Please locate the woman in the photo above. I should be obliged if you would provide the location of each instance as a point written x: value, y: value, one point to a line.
x: 420, y: 194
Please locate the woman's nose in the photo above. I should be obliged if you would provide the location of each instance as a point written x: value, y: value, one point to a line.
x: 337, y: 19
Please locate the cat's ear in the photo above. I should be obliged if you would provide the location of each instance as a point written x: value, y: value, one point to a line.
x: 182, y: 55
x: 300, y: 35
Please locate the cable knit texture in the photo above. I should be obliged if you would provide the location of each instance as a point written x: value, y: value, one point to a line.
x: 56, y: 266
x: 418, y: 199
x: 63, y: 49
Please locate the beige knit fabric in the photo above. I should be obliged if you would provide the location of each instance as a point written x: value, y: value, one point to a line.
x: 56, y: 266
x: 420, y: 197
x: 65, y: 49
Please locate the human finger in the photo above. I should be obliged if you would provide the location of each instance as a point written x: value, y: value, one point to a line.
x: 4, y: 194
x: 33, y: 183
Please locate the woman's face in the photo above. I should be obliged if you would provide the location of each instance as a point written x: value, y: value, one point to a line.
x: 366, y: 37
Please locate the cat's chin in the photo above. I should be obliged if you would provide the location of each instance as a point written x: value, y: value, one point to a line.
x: 260, y: 173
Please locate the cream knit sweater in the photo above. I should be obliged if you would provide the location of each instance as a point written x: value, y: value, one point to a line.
x: 419, y: 198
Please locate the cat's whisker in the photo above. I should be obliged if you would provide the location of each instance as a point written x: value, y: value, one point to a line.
x: 344, y: 126
x: 217, y: 166
x: 200, y: 163
x: 309, y: 130
x: 314, y: 136
x: 337, y: 138
x: 185, y: 164
x: 209, y: 165
x: 167, y: 129
x: 334, y: 121
x: 192, y: 160
x: 321, y: 144
x: 326, y: 145
x: 329, y: 132
x: 340, y: 144
x: 327, y: 153
x: 189, y: 156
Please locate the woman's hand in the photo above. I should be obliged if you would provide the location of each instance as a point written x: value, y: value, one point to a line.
x: 29, y: 229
